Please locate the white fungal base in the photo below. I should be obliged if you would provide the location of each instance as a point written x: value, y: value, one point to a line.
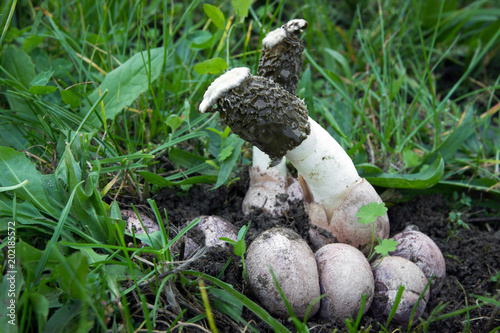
x: 327, y: 169
x: 271, y: 188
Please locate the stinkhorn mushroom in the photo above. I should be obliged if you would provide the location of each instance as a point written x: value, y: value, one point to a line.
x: 272, y: 188
x: 263, y: 113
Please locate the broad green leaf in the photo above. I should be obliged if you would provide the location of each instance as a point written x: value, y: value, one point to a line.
x: 40, y: 267
x: 18, y: 63
x: 225, y: 153
x: 128, y: 81
x: 16, y: 168
x: 42, y: 90
x: 186, y: 159
x: 386, y: 246
x: 25, y: 211
x: 72, y: 275
x: 64, y: 319
x: 162, y: 182
x: 240, y: 247
x: 70, y: 98
x: 40, y: 306
x: 90, y: 254
x: 211, y: 66
x: 41, y: 79
x: 29, y: 257
x: 154, y: 239
x: 13, y: 137
x: 410, y: 158
x: 174, y: 121
x: 227, y: 165
x: 215, y: 15
x: 32, y: 42
x: 241, y: 8
x: 426, y: 178
x: 121, y: 272
x: 369, y: 213
x: 201, y: 40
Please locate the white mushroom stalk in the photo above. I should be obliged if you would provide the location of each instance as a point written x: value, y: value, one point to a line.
x: 271, y: 188
x: 263, y: 113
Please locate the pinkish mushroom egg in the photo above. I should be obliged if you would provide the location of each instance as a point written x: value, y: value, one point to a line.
x: 391, y: 272
x: 345, y: 275
x: 421, y: 250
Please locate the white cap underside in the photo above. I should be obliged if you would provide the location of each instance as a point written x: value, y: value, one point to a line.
x: 222, y: 84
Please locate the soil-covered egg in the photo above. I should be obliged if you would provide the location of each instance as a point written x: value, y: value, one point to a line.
x: 207, y: 233
x: 391, y: 272
x: 294, y: 266
x: 134, y: 223
x: 345, y: 275
x: 214, y: 227
x: 421, y: 250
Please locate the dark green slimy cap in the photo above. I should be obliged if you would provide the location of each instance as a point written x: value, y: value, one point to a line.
x: 260, y: 111
x: 281, y: 58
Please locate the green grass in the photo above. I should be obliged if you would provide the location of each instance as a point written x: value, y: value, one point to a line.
x: 96, y: 98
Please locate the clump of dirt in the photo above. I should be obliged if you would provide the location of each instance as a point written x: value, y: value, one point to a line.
x: 472, y: 256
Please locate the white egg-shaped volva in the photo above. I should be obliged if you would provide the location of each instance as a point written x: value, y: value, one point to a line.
x: 345, y: 275
x: 294, y: 266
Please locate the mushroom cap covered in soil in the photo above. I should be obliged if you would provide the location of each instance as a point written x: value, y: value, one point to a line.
x: 259, y: 110
x: 391, y: 272
x: 345, y: 275
x: 294, y: 266
x: 281, y: 58
x: 421, y: 250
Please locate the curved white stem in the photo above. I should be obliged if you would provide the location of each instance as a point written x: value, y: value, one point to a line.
x: 325, y: 166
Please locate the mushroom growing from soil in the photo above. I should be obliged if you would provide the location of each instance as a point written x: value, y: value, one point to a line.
x: 207, y: 233
x: 263, y: 113
x: 294, y: 266
x: 421, y: 250
x: 133, y: 222
x: 391, y: 272
x: 345, y: 275
x: 272, y: 188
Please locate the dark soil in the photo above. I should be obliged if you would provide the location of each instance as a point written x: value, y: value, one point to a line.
x: 472, y: 256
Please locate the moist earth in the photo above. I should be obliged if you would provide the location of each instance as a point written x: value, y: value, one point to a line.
x: 472, y: 256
